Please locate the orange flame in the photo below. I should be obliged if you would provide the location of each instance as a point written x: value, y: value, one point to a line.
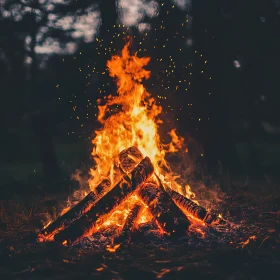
x: 134, y: 124
x: 131, y: 118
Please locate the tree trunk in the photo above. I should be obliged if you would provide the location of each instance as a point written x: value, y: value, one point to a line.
x: 34, y: 63
x: 209, y: 29
x: 128, y: 159
x: 41, y: 126
x: 109, y: 15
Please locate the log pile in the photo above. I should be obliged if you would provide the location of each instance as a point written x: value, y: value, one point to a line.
x: 170, y: 210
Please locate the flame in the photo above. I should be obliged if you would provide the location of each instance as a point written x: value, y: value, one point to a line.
x: 71, y: 201
x: 131, y: 118
x: 135, y: 123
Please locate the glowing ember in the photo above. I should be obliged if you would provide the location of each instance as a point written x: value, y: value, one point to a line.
x: 113, y: 249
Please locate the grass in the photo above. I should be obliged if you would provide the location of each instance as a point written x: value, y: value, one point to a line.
x: 28, y: 213
x: 16, y: 216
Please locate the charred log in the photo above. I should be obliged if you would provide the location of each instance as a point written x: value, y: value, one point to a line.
x: 41, y: 125
x: 128, y: 158
x: 129, y: 225
x: 96, y: 216
x: 168, y: 215
x: 187, y: 205
x: 77, y: 211
x: 192, y: 208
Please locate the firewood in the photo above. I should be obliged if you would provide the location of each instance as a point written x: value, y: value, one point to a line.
x: 194, y: 209
x: 129, y: 225
x: 97, y: 214
x: 168, y: 215
x: 128, y: 158
x: 187, y: 205
x: 77, y: 211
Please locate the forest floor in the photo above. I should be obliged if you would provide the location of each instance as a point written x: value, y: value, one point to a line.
x: 247, y: 247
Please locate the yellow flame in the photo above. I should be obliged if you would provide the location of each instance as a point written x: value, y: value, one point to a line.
x: 131, y: 118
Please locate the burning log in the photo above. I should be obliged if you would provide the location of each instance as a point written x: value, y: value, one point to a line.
x: 129, y: 225
x: 192, y: 208
x: 128, y: 158
x: 187, y: 205
x: 88, y: 222
x: 168, y: 215
x: 77, y: 211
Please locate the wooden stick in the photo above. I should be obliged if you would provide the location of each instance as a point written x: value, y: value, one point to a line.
x: 86, y: 225
x: 192, y: 208
x: 167, y: 214
x: 187, y: 205
x: 128, y: 159
x: 76, y: 211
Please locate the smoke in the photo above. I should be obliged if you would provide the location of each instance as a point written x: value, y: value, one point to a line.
x: 184, y: 4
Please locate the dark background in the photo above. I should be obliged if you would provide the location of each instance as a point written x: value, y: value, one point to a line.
x: 215, y: 71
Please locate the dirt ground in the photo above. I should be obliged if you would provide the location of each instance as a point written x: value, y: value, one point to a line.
x: 246, y: 247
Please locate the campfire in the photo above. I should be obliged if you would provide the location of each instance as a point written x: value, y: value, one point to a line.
x: 131, y: 183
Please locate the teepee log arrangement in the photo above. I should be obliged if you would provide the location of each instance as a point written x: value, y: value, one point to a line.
x: 170, y: 210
